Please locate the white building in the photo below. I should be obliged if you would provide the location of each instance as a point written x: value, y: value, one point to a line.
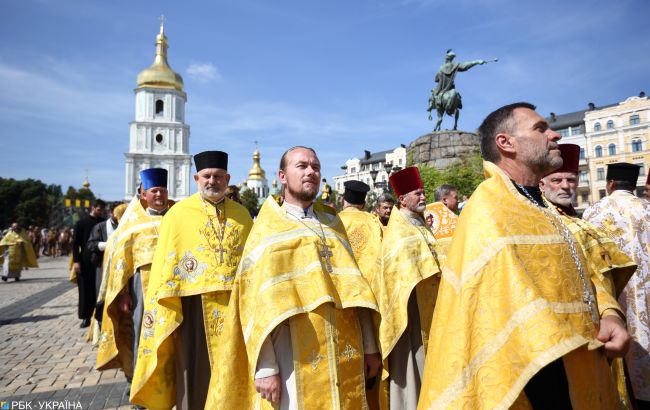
x: 159, y: 137
x: 373, y: 169
x: 256, y: 180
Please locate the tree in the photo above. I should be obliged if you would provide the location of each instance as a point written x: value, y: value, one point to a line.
x: 465, y: 176
x: 249, y: 200
x: 28, y: 202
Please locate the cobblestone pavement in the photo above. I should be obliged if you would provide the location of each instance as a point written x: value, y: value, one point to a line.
x: 44, y: 357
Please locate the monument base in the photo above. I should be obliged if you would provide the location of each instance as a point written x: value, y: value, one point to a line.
x: 442, y: 149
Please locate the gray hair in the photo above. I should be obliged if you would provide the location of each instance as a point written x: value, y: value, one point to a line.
x: 443, y: 190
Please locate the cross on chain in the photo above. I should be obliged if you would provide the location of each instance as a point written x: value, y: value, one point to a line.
x: 325, y: 253
x: 221, y: 251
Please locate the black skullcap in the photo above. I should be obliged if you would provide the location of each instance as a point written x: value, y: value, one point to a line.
x: 211, y: 159
x: 355, y: 192
x: 622, y: 171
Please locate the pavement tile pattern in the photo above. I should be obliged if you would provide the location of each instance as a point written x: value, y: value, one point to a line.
x: 44, y: 357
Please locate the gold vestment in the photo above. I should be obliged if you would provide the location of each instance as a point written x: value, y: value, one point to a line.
x: 187, y: 262
x: 283, y: 276
x: 511, y: 302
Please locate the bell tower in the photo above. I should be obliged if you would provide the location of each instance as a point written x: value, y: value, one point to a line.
x: 159, y: 137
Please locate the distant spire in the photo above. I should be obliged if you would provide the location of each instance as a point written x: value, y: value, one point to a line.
x: 86, y: 184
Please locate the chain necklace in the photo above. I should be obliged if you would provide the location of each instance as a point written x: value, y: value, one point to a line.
x: 324, y: 252
x: 563, y: 230
x: 221, y: 236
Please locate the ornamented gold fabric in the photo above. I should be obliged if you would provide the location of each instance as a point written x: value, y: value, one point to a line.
x: 364, y: 232
x: 407, y: 263
x: 131, y: 248
x: 21, y: 252
x: 444, y: 221
x: 186, y: 262
x: 282, y: 276
x: 626, y: 219
x: 510, y: 302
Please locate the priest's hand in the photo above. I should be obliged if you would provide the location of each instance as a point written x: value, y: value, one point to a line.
x: 372, y: 364
x: 615, y: 336
x: 77, y: 267
x: 124, y: 302
x: 269, y: 387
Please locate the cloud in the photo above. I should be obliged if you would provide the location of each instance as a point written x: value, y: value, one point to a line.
x: 203, y: 72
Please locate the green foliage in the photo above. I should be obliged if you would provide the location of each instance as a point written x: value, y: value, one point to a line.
x: 81, y: 194
x: 465, y: 176
x: 29, y: 202
x: 249, y: 200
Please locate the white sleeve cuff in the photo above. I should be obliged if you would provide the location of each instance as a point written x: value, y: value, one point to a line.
x: 101, y: 246
x: 266, y: 363
x: 369, y: 342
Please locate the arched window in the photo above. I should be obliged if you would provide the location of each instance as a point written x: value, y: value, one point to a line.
x: 637, y: 145
x: 597, y: 126
x: 610, y: 124
x: 598, y: 151
x: 612, y: 149
x: 160, y: 107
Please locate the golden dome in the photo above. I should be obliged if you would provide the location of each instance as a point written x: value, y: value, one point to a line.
x: 160, y: 75
x: 86, y: 184
x: 256, y: 172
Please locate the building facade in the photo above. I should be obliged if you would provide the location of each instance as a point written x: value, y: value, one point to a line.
x: 159, y: 137
x: 372, y: 168
x: 608, y: 134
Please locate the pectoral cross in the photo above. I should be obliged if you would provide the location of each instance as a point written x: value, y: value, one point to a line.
x: 221, y: 251
x: 325, y: 253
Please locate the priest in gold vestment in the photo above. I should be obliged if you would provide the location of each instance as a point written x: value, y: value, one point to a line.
x: 626, y: 219
x: 16, y: 253
x: 406, y: 286
x: 131, y: 255
x: 518, y: 323
x: 298, y: 334
x: 604, y: 257
x: 199, y: 247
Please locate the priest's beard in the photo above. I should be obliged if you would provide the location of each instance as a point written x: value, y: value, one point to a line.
x: 560, y: 197
x: 303, y: 195
x: 212, y: 194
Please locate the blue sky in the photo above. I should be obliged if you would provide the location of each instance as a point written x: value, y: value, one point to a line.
x: 341, y: 76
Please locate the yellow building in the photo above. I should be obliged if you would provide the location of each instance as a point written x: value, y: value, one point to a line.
x: 619, y: 133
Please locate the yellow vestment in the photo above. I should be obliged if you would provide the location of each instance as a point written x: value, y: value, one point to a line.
x: 364, y: 233
x: 511, y: 302
x: 187, y: 262
x: 614, y: 268
x: 21, y: 253
x: 129, y: 249
x: 283, y: 277
x: 407, y: 263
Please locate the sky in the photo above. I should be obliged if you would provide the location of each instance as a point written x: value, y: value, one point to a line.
x: 340, y: 76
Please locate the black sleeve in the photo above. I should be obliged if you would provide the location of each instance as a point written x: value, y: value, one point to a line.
x: 76, y: 243
x: 94, y: 238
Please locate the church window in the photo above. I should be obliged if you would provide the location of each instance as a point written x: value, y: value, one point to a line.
x: 599, y: 151
x: 634, y: 119
x: 160, y: 107
x: 612, y: 149
x: 610, y: 124
x: 637, y: 145
x: 597, y: 126
x: 159, y: 138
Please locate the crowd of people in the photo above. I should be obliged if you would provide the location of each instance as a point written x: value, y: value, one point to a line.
x: 507, y: 299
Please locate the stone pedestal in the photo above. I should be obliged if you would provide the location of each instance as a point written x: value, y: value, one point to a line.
x: 441, y: 149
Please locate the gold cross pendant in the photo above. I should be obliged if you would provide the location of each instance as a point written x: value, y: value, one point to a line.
x: 325, y: 253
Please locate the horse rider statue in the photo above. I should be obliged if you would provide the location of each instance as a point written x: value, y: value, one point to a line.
x: 444, y: 98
